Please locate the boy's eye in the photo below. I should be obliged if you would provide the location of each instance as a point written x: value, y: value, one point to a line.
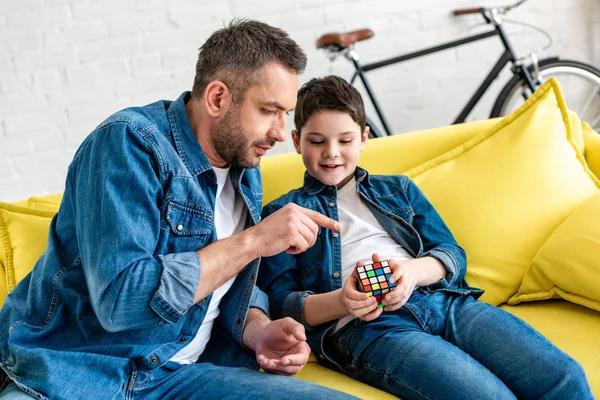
x: 316, y: 141
x: 345, y: 141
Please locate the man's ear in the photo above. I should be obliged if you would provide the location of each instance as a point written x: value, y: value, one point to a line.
x: 296, y: 141
x: 364, y: 137
x: 217, y: 98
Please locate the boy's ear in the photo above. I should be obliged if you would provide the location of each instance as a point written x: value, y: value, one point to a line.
x: 364, y: 137
x: 296, y: 141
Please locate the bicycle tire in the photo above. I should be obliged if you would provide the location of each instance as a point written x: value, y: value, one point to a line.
x: 547, y: 67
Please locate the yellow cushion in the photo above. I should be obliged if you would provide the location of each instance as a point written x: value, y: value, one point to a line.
x: 568, y: 264
x: 505, y: 191
x: 23, y: 238
x: 50, y: 202
x: 592, y: 148
x: 389, y: 155
x: 572, y: 328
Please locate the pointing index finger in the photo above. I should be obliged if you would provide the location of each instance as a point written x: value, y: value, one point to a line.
x: 322, y: 220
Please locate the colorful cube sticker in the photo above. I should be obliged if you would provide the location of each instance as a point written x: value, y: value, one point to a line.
x: 374, y: 280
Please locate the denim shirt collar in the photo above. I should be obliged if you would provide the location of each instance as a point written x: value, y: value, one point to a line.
x: 184, y: 137
x: 313, y: 186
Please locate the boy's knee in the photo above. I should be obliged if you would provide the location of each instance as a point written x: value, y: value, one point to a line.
x: 573, y: 380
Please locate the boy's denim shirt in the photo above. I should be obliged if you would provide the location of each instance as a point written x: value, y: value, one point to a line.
x: 401, y: 209
x: 113, y: 294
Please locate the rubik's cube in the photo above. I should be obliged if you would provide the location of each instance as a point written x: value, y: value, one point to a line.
x: 374, y: 280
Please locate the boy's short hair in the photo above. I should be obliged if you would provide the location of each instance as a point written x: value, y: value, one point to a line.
x: 329, y: 93
x: 238, y: 53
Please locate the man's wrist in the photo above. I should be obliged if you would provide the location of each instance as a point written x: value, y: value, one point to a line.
x: 249, y: 243
x: 255, y: 325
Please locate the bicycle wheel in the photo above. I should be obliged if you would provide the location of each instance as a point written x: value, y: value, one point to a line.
x: 580, y: 84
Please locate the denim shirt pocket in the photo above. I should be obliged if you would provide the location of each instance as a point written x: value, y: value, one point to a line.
x: 406, y: 213
x: 189, y: 227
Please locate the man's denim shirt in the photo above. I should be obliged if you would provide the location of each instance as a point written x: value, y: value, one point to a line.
x: 401, y: 209
x: 114, y: 292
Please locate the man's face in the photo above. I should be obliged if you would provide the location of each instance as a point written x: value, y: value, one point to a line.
x: 330, y: 144
x: 248, y: 130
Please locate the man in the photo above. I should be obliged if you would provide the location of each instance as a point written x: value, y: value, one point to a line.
x: 147, y: 286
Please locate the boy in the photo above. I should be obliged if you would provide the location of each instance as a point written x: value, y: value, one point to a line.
x: 433, y: 338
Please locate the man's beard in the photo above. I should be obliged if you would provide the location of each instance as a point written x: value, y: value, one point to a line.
x: 230, y: 141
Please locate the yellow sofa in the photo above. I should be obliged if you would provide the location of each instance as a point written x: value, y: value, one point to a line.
x: 464, y: 170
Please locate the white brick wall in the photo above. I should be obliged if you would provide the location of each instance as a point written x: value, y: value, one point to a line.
x: 65, y: 65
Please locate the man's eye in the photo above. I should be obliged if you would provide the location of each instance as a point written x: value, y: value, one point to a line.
x: 269, y: 112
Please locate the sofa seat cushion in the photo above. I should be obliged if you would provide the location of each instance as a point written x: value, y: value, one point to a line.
x: 572, y: 328
x: 320, y: 375
x: 505, y: 191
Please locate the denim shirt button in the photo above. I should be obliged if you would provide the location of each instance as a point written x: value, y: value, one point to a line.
x: 154, y: 360
x: 182, y: 340
x: 179, y: 227
x: 203, y: 301
x: 332, y: 204
x: 330, y: 188
x: 335, y: 234
x: 336, y: 274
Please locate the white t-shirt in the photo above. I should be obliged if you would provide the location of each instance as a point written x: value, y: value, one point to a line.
x: 362, y: 235
x: 230, y: 217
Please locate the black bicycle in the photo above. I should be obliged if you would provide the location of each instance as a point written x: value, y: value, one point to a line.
x: 528, y: 73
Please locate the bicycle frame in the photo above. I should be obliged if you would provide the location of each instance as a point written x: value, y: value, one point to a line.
x: 507, y: 56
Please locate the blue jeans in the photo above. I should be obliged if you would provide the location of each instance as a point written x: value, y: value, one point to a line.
x: 208, y: 381
x: 448, y: 346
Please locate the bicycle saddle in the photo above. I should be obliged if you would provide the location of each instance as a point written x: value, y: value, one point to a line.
x: 345, y: 39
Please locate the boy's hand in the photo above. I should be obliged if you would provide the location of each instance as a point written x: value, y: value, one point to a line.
x: 359, y: 304
x: 404, y: 273
x: 291, y: 228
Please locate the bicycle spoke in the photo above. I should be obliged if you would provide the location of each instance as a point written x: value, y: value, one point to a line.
x: 595, y: 91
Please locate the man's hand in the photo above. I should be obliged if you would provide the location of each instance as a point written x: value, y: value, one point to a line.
x: 359, y: 304
x: 291, y: 228
x: 282, y: 348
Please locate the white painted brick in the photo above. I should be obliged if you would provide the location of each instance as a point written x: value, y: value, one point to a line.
x: 144, y: 64
x: 14, y: 103
x: 11, y: 146
x: 37, y: 165
x: 22, y: 40
x: 218, y: 13
x: 27, y: 122
x: 6, y: 61
x: 45, y: 142
x: 88, y: 11
x: 83, y: 93
x: 7, y: 174
x: 109, y: 48
x: 83, y: 33
x: 80, y: 75
x: 88, y: 116
x: 120, y: 24
x: 33, y: 60
x: 48, y: 80
x: 112, y: 70
x: 14, y: 82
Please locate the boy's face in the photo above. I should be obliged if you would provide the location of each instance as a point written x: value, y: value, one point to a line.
x: 330, y: 144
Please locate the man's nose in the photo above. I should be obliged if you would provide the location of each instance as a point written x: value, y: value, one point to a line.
x: 277, y: 130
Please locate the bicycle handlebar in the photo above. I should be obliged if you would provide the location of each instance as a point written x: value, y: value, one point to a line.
x: 477, y: 10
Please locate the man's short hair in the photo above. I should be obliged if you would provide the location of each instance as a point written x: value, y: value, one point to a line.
x: 238, y: 53
x: 329, y: 93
